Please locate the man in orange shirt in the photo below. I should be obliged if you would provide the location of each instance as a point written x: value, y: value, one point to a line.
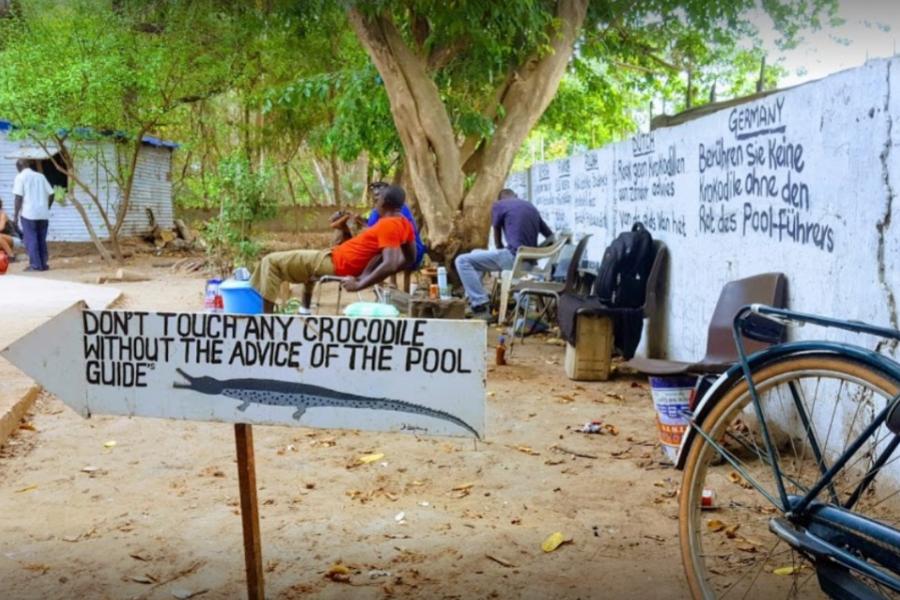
x: 364, y: 260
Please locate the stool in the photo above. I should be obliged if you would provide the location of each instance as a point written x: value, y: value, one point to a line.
x: 591, y: 356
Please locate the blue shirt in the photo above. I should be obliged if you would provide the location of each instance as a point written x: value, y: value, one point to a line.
x: 420, y: 246
x: 520, y: 222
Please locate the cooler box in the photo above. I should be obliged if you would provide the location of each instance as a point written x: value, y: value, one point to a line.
x: 591, y: 357
x: 241, y: 298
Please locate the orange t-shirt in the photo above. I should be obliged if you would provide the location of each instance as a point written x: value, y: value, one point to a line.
x: 351, y: 257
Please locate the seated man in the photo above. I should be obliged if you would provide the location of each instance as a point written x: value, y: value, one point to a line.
x: 363, y: 261
x: 9, y: 237
x: 342, y: 220
x: 376, y: 189
x: 516, y: 220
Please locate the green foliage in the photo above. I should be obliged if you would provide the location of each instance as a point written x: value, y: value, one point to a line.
x: 244, y: 198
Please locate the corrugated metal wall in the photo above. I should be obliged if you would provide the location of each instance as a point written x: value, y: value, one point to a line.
x: 152, y: 189
x: 7, y: 172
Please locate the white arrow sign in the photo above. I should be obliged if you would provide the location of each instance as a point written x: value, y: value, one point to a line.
x: 425, y: 376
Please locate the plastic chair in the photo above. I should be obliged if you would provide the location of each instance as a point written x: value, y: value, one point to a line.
x: 628, y: 321
x: 524, y: 266
x: 766, y: 288
x: 570, y: 256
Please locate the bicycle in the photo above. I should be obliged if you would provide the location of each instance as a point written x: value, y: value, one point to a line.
x: 791, y: 478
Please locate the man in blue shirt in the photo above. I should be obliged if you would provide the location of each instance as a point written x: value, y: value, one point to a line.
x: 520, y: 223
x: 376, y: 188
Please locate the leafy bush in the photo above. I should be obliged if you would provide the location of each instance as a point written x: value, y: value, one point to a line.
x: 244, y: 198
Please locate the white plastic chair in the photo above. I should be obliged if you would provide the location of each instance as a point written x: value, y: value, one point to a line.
x: 524, y: 266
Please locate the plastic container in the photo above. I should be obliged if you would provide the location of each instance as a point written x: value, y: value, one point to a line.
x: 443, y: 287
x: 212, y: 301
x: 672, y: 400
x: 500, y: 359
x: 4, y: 263
x: 371, y: 309
x: 241, y: 298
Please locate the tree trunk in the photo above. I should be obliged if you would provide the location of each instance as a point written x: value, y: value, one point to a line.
x: 101, y: 249
x: 456, y: 218
x: 336, y: 179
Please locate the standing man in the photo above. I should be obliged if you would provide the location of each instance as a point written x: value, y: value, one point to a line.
x: 514, y: 219
x: 33, y: 198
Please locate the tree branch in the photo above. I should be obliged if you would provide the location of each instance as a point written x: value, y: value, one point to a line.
x: 422, y: 121
x: 524, y: 101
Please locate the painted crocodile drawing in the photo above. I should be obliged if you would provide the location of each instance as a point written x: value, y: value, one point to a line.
x: 302, y: 396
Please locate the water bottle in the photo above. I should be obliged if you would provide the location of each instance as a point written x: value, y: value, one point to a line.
x: 443, y: 288
x: 212, y: 301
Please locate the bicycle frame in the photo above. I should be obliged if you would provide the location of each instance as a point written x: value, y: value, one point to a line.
x: 820, y: 520
x: 783, y: 316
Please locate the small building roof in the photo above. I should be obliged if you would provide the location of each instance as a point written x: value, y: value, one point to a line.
x: 149, y: 140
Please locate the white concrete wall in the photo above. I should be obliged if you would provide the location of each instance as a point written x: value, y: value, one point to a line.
x: 820, y: 161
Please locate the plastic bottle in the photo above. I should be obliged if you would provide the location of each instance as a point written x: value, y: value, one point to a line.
x: 501, y: 351
x: 443, y: 288
x: 242, y: 274
x: 212, y: 302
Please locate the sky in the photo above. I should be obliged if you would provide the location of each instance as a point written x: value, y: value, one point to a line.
x: 871, y: 29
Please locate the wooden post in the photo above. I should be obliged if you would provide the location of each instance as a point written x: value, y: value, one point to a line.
x: 243, y: 437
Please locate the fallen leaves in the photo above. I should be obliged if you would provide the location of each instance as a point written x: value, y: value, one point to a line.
x: 735, y: 478
x: 339, y: 573
x: 730, y: 531
x: 554, y: 541
x: 36, y: 567
x: 188, y: 594
x: 379, y: 492
x: 326, y: 442
x: 365, y: 459
x: 26, y: 489
x: 462, y: 490
x: 715, y: 525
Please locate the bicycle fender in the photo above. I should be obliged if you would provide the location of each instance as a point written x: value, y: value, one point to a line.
x: 735, y: 373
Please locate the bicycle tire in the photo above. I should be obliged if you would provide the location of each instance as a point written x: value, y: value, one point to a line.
x: 703, y: 467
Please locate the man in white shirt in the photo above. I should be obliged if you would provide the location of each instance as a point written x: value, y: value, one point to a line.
x: 33, y: 198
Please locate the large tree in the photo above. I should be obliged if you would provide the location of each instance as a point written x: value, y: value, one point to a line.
x: 468, y: 80
x: 88, y: 80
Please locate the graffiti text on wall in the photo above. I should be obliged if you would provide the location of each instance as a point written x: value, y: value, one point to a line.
x: 755, y: 184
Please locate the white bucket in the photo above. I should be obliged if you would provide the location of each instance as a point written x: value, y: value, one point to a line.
x: 672, y: 398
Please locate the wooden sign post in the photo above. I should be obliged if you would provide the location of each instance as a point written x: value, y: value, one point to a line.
x: 414, y: 375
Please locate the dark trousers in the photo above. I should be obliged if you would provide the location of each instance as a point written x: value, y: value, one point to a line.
x: 34, y: 235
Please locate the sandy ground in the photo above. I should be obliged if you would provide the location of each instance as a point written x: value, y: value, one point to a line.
x: 156, y: 515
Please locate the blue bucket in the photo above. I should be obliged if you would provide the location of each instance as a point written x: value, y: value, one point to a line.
x: 239, y: 297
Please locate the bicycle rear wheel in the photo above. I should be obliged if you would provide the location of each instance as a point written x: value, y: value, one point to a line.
x: 815, y: 406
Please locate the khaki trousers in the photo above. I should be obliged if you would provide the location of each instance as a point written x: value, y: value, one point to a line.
x: 293, y: 266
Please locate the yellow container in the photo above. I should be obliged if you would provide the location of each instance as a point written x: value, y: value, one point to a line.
x: 590, y: 358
